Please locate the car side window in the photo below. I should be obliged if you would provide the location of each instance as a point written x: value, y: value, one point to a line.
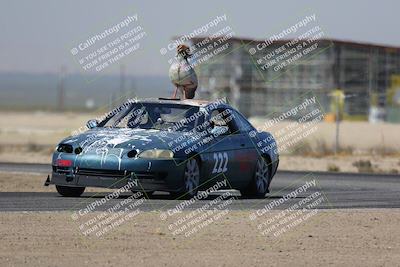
x: 242, y: 123
x: 223, y: 118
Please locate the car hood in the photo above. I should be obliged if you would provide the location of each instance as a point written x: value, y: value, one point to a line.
x: 116, y: 138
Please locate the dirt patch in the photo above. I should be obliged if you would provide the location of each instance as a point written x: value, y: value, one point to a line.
x: 346, y: 238
x: 372, y: 164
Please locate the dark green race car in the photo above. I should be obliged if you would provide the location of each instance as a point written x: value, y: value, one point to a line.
x: 178, y: 146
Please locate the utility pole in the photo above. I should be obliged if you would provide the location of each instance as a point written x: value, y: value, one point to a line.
x: 111, y: 101
x: 61, y: 89
x: 370, y: 73
x: 133, y: 88
x: 337, y: 96
x: 122, y: 82
x: 340, y: 97
x: 337, y: 123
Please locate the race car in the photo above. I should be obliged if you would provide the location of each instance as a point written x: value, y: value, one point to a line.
x: 171, y: 145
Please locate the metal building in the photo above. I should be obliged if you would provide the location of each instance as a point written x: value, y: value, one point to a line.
x: 362, y: 71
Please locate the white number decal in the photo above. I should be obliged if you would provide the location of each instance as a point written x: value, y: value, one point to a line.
x: 226, y: 162
x: 216, y: 163
x: 221, y: 162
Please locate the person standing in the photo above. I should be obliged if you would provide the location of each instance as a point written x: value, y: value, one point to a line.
x: 182, y: 74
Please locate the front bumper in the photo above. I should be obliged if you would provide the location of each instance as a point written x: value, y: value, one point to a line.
x: 143, y: 174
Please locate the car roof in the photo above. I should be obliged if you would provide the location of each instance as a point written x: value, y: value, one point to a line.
x: 189, y: 102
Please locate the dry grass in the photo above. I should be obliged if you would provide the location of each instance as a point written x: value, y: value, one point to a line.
x: 319, y: 148
x: 363, y: 166
x: 333, y: 168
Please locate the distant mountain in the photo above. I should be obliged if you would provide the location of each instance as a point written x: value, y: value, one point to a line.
x: 41, y: 91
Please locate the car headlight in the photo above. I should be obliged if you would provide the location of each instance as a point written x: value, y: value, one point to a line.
x: 157, y: 154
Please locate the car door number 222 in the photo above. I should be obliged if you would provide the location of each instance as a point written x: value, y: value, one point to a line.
x: 221, y: 162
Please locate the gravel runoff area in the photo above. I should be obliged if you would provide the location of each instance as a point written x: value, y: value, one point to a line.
x: 329, y: 237
x: 334, y: 237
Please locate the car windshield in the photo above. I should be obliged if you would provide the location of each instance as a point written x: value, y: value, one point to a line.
x: 158, y: 116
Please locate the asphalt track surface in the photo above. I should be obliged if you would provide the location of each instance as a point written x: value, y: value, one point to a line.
x: 339, y: 190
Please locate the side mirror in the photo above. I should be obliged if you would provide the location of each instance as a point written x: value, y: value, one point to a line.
x: 92, y: 124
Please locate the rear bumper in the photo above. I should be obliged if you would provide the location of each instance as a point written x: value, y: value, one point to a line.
x: 163, y: 175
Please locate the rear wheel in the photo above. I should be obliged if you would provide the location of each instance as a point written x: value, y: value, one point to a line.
x: 191, y: 180
x: 68, y: 191
x: 258, y: 186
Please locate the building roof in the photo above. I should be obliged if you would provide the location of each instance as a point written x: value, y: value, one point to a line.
x: 327, y: 40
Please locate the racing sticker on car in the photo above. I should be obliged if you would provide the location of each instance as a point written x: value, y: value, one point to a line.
x: 221, y: 162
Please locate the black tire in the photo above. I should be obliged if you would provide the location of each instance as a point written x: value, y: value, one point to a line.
x: 68, y: 191
x: 190, y: 180
x: 259, y: 185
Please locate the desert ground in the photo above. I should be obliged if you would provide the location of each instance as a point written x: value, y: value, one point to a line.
x: 31, y: 137
x: 334, y: 237
x: 367, y: 237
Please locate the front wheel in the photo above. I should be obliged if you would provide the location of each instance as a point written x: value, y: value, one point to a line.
x: 258, y: 186
x: 191, y: 180
x: 68, y: 191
